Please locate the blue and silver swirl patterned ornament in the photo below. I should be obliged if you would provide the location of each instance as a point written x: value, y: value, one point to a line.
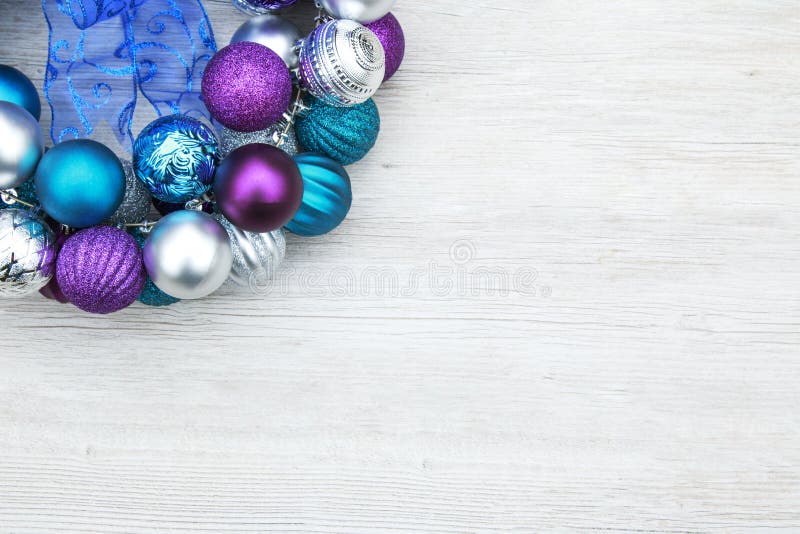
x: 27, y: 253
x: 342, y: 63
x: 343, y: 134
x: 259, y: 7
x: 326, y: 198
x: 176, y: 157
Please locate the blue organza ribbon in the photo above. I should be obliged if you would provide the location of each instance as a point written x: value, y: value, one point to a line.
x: 103, y: 52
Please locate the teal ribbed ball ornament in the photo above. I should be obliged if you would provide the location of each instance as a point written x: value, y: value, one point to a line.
x: 344, y: 134
x: 151, y: 295
x: 80, y: 183
x: 17, y: 88
x: 327, y: 196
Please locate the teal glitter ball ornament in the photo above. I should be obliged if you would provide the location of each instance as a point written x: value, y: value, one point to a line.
x: 175, y: 156
x: 17, y: 88
x: 344, y: 134
x: 151, y: 295
x: 327, y: 196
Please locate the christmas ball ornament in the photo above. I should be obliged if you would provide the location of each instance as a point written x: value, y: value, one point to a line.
x: 389, y: 32
x: 80, y: 183
x: 175, y: 157
x: 21, y: 145
x: 188, y: 255
x: 326, y: 196
x: 262, y: 6
x: 136, y: 202
x: 258, y: 187
x: 230, y: 140
x: 52, y: 290
x: 17, y: 88
x: 342, y: 63
x: 27, y: 253
x: 246, y: 87
x: 343, y: 134
x: 150, y: 294
x: 362, y: 11
x: 274, y: 32
x: 256, y: 256
x: 100, y: 269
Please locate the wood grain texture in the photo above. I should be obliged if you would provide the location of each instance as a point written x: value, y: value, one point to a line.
x: 609, y: 193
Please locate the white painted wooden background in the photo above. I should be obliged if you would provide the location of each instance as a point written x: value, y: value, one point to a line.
x: 641, y: 157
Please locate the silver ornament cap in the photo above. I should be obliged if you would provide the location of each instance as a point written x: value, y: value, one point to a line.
x: 21, y: 145
x: 363, y: 11
x: 256, y: 257
x: 274, y: 32
x: 27, y: 253
x: 188, y: 254
x: 342, y: 63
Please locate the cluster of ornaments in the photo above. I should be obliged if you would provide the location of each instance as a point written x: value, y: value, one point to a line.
x: 289, y: 112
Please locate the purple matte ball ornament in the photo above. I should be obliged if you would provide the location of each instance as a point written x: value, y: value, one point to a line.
x: 247, y: 87
x: 390, y: 34
x: 100, y: 269
x: 258, y: 188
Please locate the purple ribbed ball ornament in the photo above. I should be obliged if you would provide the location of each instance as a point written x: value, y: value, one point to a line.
x: 258, y: 188
x: 246, y: 87
x: 100, y: 269
x: 391, y: 36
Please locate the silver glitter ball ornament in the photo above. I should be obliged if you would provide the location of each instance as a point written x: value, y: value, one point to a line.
x: 274, y: 32
x: 188, y: 254
x: 230, y: 140
x: 21, y: 145
x: 363, y: 11
x: 256, y: 257
x: 137, y: 201
x: 342, y: 63
x: 27, y: 253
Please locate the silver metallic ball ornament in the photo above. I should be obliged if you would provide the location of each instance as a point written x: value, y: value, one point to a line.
x: 188, y: 254
x: 230, y: 140
x: 137, y: 201
x: 256, y: 257
x: 363, y: 11
x: 274, y: 32
x: 27, y: 253
x: 21, y: 145
x: 342, y: 63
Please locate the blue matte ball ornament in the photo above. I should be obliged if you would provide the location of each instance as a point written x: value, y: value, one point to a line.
x: 80, y: 183
x: 175, y: 156
x: 344, y: 134
x: 326, y: 198
x: 17, y: 88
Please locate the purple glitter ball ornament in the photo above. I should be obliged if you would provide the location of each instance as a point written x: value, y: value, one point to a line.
x: 258, y: 188
x: 390, y: 34
x: 247, y: 87
x: 100, y: 269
